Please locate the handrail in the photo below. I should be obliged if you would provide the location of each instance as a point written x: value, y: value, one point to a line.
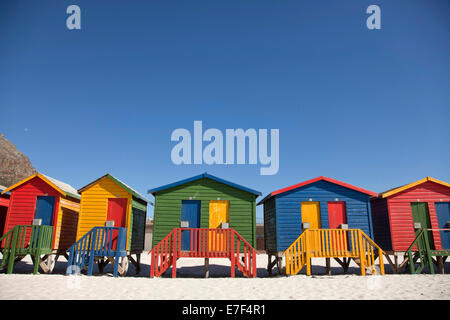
x: 295, y: 255
x: 7, y: 234
x: 23, y: 240
x: 162, y: 255
x: 249, y: 256
x: 98, y: 242
x: 418, y: 236
x: 333, y: 243
x: 204, y: 242
x: 423, y: 252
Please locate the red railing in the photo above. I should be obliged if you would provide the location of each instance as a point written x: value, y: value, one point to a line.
x: 204, y: 243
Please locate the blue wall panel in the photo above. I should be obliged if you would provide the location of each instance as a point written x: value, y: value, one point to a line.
x: 288, y: 209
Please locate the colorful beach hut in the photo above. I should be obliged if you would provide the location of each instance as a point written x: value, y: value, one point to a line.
x: 48, y: 202
x: 205, y: 203
x: 319, y: 203
x: 400, y: 213
x: 107, y: 199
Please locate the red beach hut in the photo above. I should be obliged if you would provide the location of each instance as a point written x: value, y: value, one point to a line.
x: 398, y: 213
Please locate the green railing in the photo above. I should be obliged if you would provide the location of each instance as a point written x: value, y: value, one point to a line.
x: 22, y: 240
x: 422, y: 254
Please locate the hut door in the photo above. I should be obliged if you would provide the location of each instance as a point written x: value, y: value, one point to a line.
x: 117, y: 212
x: 44, y: 209
x: 443, y: 215
x: 420, y: 214
x: 190, y: 211
x: 336, y: 216
x: 310, y: 212
x: 218, y: 212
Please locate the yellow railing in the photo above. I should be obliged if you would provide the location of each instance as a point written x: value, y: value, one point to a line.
x: 333, y: 243
x: 296, y: 255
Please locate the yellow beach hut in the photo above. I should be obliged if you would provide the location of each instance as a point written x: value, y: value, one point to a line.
x: 109, y: 199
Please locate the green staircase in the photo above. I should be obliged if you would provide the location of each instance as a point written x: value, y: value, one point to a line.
x: 22, y: 240
x: 420, y: 253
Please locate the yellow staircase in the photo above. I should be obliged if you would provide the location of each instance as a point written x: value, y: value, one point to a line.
x: 333, y: 243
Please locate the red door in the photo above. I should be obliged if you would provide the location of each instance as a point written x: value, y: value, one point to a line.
x: 337, y: 216
x: 117, y: 212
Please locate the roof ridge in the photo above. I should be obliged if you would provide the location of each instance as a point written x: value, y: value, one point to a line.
x: 200, y: 176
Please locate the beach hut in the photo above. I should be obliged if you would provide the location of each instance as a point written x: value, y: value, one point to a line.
x: 4, y: 204
x: 205, y: 202
x: 319, y: 203
x: 109, y: 199
x: 398, y: 215
x: 45, y: 201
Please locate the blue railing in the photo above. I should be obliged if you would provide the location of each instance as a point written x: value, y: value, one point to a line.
x: 98, y: 242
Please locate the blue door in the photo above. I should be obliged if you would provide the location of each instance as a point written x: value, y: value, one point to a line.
x: 190, y: 211
x: 443, y: 215
x: 44, y: 209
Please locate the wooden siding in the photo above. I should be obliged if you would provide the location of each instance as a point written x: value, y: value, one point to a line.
x: 381, y: 225
x: 167, y: 212
x: 138, y: 218
x: 288, y: 209
x: 66, y: 230
x: 270, y: 234
x: 94, y: 206
x: 400, y: 212
x: 23, y: 203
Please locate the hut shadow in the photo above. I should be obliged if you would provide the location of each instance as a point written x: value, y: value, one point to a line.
x: 196, y: 271
x: 319, y: 270
x: 26, y: 267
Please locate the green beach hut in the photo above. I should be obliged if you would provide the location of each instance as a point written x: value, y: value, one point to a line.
x: 204, y: 201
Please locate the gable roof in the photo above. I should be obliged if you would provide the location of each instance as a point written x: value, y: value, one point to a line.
x: 201, y: 176
x: 64, y: 188
x: 321, y: 178
x: 120, y: 183
x: 393, y: 191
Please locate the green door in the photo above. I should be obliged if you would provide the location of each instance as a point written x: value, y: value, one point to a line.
x: 420, y: 214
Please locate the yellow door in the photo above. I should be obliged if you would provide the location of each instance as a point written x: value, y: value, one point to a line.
x: 311, y: 213
x: 218, y: 213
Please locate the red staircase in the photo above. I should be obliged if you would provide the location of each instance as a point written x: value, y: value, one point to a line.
x: 205, y: 243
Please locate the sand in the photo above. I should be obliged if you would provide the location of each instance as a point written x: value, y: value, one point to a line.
x: 190, y: 284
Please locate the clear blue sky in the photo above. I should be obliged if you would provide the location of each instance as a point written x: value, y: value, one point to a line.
x: 369, y: 107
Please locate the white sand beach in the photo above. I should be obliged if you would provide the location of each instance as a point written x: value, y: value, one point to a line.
x: 190, y: 284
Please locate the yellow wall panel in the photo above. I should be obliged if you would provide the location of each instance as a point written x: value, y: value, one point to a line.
x: 94, y: 205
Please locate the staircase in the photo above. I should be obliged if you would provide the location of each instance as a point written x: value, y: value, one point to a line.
x: 333, y: 243
x: 204, y: 243
x: 98, y: 243
x: 420, y: 253
x: 22, y: 240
